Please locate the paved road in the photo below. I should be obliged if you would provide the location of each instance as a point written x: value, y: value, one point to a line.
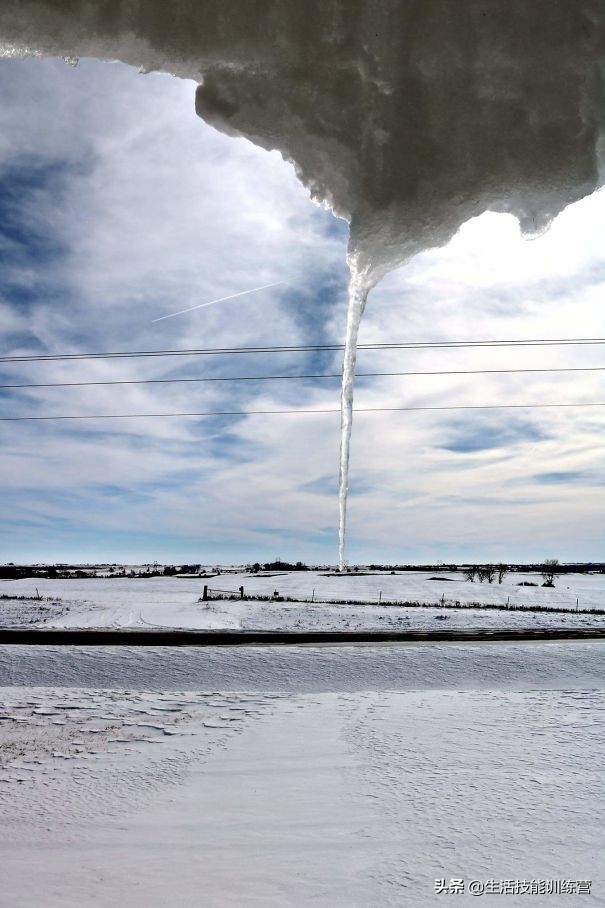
x: 139, y: 637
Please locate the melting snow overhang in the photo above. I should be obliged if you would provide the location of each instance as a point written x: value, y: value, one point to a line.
x: 406, y: 117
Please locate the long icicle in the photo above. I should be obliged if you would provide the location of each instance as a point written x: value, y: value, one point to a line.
x: 358, y: 295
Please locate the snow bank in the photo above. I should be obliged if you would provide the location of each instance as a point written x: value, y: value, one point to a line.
x: 290, y: 669
x: 405, y: 118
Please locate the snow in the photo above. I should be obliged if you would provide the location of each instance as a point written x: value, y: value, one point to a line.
x: 353, y: 788
x: 291, y: 669
x: 174, y: 601
x: 406, y: 119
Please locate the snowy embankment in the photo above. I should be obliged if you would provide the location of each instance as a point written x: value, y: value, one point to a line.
x: 340, y: 777
x: 291, y: 669
x: 164, y: 602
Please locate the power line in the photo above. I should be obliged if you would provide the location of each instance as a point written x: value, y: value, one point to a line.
x: 307, y: 348
x: 167, y: 381
x: 296, y: 412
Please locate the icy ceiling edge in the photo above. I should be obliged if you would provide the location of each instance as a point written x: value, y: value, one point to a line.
x: 406, y: 117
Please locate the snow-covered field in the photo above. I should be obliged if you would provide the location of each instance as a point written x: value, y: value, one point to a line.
x: 174, y: 601
x: 352, y: 776
x: 287, y: 776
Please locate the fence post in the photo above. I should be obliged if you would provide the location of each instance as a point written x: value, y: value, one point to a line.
x: 205, y: 593
x: 241, y: 592
x: 577, y: 604
x: 379, y: 597
x: 313, y: 596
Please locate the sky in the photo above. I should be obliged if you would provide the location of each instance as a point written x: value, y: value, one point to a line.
x: 118, y: 206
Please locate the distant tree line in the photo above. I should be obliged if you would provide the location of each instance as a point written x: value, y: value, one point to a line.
x: 170, y: 570
x: 549, y: 569
x: 277, y: 566
x: 450, y: 568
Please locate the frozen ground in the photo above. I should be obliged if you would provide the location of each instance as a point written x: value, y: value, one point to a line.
x: 354, y: 776
x: 174, y: 601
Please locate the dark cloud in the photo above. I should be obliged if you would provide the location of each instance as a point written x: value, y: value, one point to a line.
x: 471, y: 437
x: 569, y: 477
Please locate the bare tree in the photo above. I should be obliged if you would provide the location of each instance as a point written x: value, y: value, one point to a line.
x: 486, y: 572
x: 549, y: 571
x: 470, y: 573
x: 502, y: 570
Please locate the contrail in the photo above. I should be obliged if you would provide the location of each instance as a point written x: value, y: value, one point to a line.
x: 222, y: 299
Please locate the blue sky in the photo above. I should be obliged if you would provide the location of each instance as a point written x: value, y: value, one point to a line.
x: 118, y: 205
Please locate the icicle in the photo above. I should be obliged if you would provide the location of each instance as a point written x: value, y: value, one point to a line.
x: 358, y: 295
